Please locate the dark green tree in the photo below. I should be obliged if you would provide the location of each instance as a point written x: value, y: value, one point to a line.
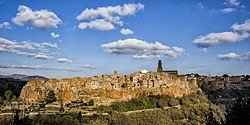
x: 61, y: 108
x: 239, y: 114
x: 1, y: 100
x: 8, y: 95
x: 51, y: 97
x: 91, y: 102
x: 79, y: 116
x: 225, y: 75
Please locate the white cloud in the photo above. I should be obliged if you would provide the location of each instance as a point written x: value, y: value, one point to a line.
x: 29, y: 49
x: 242, y: 27
x: 234, y: 56
x: 97, y: 24
x: 36, y: 68
x: 54, y: 35
x: 246, y: 56
x: 141, y: 49
x: 214, y: 39
x: 88, y: 66
x: 42, y: 19
x: 126, y: 31
x: 5, y: 25
x: 200, y: 5
x: 64, y: 60
x: 108, y: 15
x: 228, y: 10
x: 204, y: 50
x: 43, y: 56
x: 229, y: 56
x: 233, y: 2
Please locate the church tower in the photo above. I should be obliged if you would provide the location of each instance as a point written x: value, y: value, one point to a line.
x: 159, y: 68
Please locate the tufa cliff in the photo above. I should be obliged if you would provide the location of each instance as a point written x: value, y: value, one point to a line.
x: 109, y: 88
x: 105, y: 89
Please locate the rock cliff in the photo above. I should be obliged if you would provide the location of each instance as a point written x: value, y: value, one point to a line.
x: 105, y: 89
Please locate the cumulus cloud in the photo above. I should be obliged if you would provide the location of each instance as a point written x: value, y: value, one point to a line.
x: 240, y: 32
x: 64, y: 60
x: 242, y: 27
x: 97, y: 24
x: 88, y: 66
x: 54, y: 35
x: 42, y: 19
x: 30, y: 49
x: 233, y: 2
x: 107, y: 16
x: 228, y: 10
x: 229, y: 56
x: 213, y: 39
x: 36, y: 68
x: 126, y: 31
x: 234, y: 56
x: 43, y: 56
x: 141, y: 49
x: 5, y: 25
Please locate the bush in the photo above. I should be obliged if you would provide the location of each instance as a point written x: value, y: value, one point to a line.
x: 173, y: 102
x: 91, y: 102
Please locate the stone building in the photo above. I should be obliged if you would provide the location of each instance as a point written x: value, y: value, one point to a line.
x: 109, y: 88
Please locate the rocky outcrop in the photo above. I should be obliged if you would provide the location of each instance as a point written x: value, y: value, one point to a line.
x: 109, y: 88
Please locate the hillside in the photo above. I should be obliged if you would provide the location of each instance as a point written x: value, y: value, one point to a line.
x: 15, y: 85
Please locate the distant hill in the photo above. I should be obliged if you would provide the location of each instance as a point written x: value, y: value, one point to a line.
x: 22, y: 77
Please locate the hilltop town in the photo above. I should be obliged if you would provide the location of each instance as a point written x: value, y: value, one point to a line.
x: 105, y: 89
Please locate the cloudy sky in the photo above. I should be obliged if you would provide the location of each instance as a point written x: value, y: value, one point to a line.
x: 62, y: 38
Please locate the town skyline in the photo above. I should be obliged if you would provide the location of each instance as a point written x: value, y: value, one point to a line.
x: 86, y: 38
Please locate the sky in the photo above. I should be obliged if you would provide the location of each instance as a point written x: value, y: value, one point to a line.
x: 62, y: 38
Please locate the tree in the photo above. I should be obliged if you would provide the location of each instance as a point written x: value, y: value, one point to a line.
x: 51, y: 97
x: 91, y: 102
x: 239, y: 113
x: 8, y: 95
x: 79, y: 116
x: 1, y: 100
x: 225, y: 75
x: 61, y: 108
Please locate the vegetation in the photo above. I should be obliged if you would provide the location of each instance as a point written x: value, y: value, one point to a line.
x: 239, y: 113
x: 10, y: 84
x: 191, y: 109
x: 51, y: 97
x: 8, y: 95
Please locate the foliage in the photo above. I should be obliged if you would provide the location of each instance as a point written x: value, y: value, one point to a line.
x: 61, y: 108
x: 51, y: 97
x: 91, y: 102
x: 8, y: 95
x: 239, y: 113
x: 55, y: 120
x: 15, y: 85
x: 23, y: 121
x: 1, y: 100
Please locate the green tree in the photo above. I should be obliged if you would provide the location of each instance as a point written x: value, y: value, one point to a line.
x: 51, y: 97
x: 8, y: 95
x: 61, y: 108
x: 91, y: 102
x: 239, y: 113
x: 1, y: 100
x: 225, y: 75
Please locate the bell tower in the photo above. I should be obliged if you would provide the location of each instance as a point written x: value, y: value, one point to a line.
x: 159, y: 68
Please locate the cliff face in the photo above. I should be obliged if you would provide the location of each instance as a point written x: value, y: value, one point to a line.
x: 109, y: 88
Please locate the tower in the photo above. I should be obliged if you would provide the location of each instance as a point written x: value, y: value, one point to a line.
x: 159, y: 68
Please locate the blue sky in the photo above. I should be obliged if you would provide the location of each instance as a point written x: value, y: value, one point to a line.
x: 62, y: 38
